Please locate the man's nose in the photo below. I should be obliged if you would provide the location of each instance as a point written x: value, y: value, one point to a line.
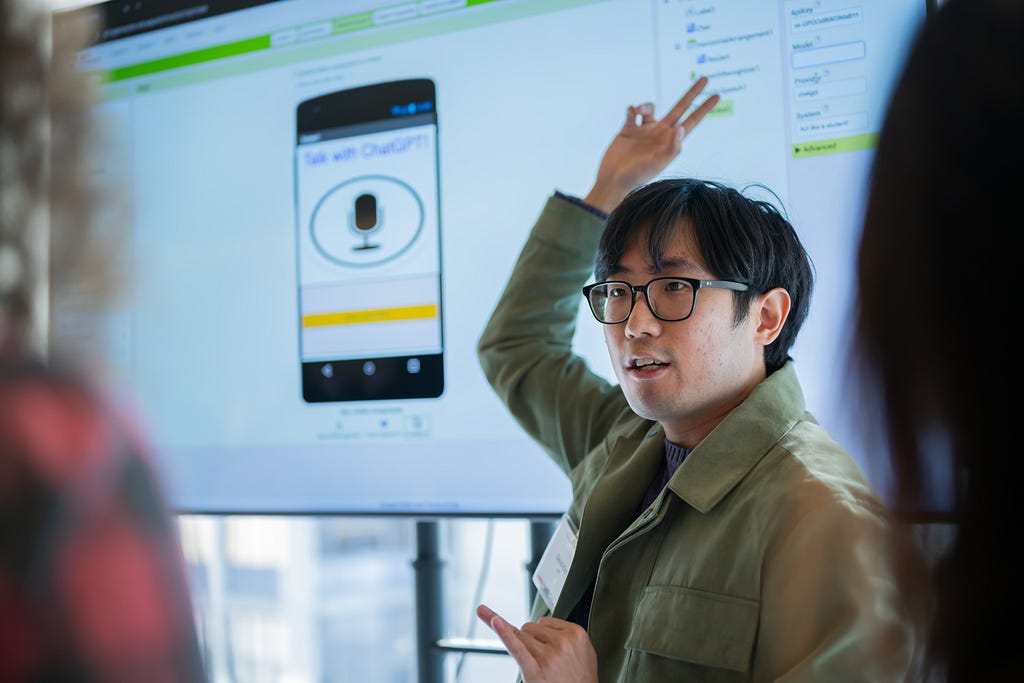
x: 641, y: 319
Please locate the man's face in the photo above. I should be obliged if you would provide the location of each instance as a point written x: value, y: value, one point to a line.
x: 703, y: 367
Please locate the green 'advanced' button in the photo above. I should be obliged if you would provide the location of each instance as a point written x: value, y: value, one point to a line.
x: 835, y: 145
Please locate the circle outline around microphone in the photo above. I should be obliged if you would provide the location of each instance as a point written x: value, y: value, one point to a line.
x: 354, y: 264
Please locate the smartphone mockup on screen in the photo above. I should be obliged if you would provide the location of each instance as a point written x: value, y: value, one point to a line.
x: 369, y: 252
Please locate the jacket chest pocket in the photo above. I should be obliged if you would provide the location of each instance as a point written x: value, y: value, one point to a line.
x: 684, y: 627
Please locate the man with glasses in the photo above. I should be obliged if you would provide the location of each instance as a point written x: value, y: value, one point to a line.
x: 716, y: 531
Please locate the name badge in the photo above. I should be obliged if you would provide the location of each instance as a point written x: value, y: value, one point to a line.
x: 554, y: 563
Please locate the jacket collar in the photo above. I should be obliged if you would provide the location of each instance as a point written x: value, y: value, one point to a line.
x: 731, y: 450
x: 709, y: 472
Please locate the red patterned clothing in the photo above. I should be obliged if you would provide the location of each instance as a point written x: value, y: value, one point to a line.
x: 92, y: 581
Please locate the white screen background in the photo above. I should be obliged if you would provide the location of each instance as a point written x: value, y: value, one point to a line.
x: 528, y: 96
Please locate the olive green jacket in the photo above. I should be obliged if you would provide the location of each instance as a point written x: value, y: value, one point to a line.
x: 760, y: 559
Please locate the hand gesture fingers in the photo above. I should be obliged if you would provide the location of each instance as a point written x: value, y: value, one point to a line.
x: 548, y: 650
x: 645, y: 145
x: 638, y: 115
x: 684, y: 102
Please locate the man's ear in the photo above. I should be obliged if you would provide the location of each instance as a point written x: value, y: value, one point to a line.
x: 771, y: 310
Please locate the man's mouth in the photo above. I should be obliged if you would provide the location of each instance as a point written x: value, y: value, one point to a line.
x: 645, y: 364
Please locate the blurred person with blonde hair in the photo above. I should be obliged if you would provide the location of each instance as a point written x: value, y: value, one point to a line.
x: 92, y: 581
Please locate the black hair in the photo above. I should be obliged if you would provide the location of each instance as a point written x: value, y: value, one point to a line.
x: 739, y: 238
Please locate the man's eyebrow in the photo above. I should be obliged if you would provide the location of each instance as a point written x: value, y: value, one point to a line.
x: 673, y: 262
x: 667, y: 263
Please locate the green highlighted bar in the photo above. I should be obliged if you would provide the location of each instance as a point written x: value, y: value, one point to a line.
x: 835, y: 145
x: 352, y: 22
x: 723, y: 108
x: 239, y: 47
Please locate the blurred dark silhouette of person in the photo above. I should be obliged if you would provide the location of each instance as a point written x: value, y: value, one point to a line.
x: 92, y: 580
x: 938, y: 276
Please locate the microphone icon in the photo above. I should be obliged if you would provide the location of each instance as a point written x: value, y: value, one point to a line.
x: 365, y: 219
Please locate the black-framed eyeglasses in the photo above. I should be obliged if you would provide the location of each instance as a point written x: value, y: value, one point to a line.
x: 669, y: 298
